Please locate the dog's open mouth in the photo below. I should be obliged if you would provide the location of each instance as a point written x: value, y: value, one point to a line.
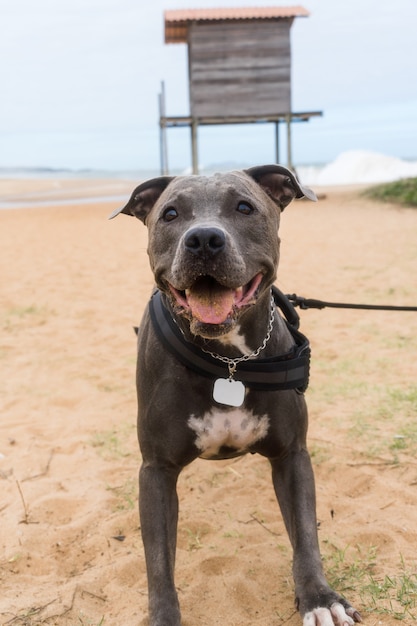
x: 209, y: 302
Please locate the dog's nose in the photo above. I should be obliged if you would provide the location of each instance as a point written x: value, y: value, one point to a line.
x: 205, y: 241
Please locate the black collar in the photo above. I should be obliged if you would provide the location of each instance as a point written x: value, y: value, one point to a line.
x: 285, y: 371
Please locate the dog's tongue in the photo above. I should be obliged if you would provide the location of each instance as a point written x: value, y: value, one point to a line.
x: 210, y: 303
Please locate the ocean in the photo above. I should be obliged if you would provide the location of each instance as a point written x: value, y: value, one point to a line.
x: 354, y: 167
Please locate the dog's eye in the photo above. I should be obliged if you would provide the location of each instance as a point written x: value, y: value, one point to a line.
x: 244, y: 208
x: 169, y: 214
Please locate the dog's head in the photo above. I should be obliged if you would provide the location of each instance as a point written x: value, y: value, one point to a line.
x: 213, y: 241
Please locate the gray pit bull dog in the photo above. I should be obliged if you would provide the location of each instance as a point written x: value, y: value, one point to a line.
x: 214, y: 251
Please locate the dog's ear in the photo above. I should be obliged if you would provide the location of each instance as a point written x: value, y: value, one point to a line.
x: 280, y: 184
x: 143, y: 198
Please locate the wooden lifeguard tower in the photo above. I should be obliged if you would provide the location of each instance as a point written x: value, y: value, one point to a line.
x: 239, y: 69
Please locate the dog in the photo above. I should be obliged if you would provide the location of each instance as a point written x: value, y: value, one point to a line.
x: 220, y: 372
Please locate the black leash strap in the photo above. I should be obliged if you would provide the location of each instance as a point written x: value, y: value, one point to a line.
x: 285, y: 371
x: 311, y: 303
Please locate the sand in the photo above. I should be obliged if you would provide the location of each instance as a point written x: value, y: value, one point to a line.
x: 72, y: 287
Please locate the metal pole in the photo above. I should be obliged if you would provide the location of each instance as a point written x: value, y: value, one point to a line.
x: 289, y: 148
x: 277, y: 141
x: 163, y: 132
x: 194, y: 148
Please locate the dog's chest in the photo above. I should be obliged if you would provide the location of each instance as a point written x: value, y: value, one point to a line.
x: 227, y: 432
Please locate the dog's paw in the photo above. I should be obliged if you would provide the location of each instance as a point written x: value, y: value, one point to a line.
x: 336, y: 615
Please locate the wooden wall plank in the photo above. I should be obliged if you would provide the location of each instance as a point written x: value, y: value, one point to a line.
x: 240, y: 68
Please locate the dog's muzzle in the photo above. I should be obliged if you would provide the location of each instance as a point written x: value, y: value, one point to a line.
x: 209, y: 302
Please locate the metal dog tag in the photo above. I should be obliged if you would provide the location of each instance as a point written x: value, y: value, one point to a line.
x: 228, y: 391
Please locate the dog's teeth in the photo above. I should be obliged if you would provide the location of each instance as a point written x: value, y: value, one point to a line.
x: 238, y: 294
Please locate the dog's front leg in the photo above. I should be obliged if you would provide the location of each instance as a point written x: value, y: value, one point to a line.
x: 294, y: 486
x: 158, y: 505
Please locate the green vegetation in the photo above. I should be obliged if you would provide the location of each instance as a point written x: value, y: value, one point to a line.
x: 17, y: 316
x: 354, y: 568
x: 384, y: 425
x: 403, y: 192
x: 115, y: 443
x: 126, y: 495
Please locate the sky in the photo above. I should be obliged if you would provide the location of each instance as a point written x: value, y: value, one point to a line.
x: 80, y: 80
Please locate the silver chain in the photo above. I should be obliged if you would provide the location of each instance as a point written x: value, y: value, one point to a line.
x: 233, y: 363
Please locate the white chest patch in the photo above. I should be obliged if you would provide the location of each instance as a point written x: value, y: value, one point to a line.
x: 234, y: 338
x: 235, y: 428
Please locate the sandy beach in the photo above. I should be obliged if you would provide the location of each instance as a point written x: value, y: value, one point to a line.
x: 73, y: 285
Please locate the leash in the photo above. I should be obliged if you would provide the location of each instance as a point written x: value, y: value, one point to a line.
x: 283, y: 371
x: 312, y: 303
